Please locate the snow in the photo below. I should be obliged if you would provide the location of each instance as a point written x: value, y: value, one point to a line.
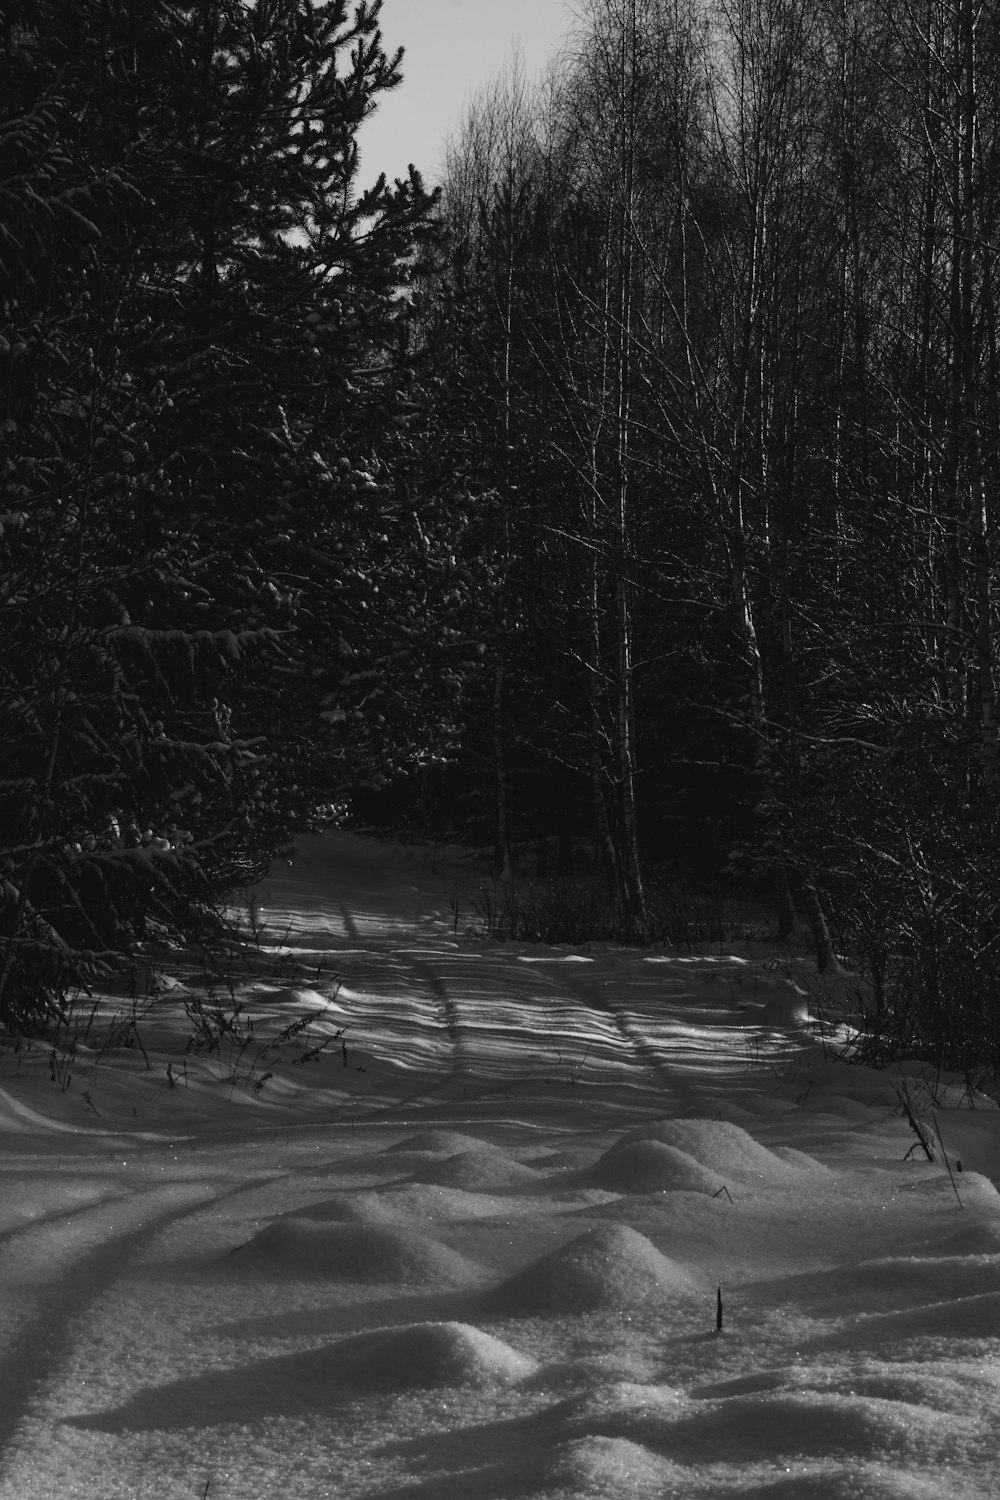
x: 294, y: 1246
x: 443, y: 1219
x: 603, y: 1269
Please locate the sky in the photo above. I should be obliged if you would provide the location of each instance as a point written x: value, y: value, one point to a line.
x: 453, y: 48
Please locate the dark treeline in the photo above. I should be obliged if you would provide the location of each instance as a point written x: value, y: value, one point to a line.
x: 718, y: 303
x: 638, y: 490
x: 225, y: 535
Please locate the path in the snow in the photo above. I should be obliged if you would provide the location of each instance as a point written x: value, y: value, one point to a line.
x: 462, y: 1238
x: 485, y: 1021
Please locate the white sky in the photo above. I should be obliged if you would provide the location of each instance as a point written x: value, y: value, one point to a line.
x: 453, y: 47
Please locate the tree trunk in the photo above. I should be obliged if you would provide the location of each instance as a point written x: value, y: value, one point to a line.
x: 501, y: 846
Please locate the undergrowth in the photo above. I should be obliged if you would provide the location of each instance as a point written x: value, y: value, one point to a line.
x: 577, y: 912
x: 208, y: 987
x: 942, y: 1009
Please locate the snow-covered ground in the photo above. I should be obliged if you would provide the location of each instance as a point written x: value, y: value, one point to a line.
x: 465, y: 1242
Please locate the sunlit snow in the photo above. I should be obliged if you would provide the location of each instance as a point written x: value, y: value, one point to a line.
x: 445, y: 1219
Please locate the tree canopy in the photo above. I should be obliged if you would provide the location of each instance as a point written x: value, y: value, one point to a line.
x: 217, y: 530
x: 647, y: 482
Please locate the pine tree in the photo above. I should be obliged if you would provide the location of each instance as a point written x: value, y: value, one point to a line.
x: 205, y: 390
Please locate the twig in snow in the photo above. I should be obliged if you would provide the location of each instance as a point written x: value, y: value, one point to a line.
x: 944, y: 1153
x: 906, y: 1105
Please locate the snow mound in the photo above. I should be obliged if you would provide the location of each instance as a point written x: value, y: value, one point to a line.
x: 977, y: 1190
x: 788, y: 1008
x: 814, y: 1424
x: 611, y: 1466
x: 859, y: 1482
x: 427, y: 1354
x: 294, y: 1246
x: 297, y: 996
x: 974, y: 1190
x: 610, y: 1406
x: 726, y: 1149
x: 604, y: 1268
x: 982, y: 1238
x: 793, y: 1157
x: 482, y: 1169
x: 842, y: 1105
x: 411, y: 1203
x: 414, y: 1202
x: 762, y: 1428
x: 373, y: 1164
x: 650, y: 1167
x: 921, y: 1385
x: 677, y: 1213
x: 435, y: 1143
x: 930, y: 1278
x: 361, y: 1207
x: 962, y: 1317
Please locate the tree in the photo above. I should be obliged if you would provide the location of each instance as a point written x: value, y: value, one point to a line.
x: 742, y: 295
x: 205, y: 390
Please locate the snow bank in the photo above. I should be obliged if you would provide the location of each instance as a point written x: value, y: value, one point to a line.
x: 435, y: 1143
x: 980, y: 1237
x: 966, y: 1318
x: 772, y: 1426
x: 427, y: 1354
x: 977, y: 1194
x: 925, y: 1278
x: 725, y: 1149
x: 482, y: 1169
x: 862, y: 1306
x: 651, y: 1166
x: 858, y: 1482
x: 603, y: 1269
x: 297, y: 1246
x: 787, y: 1009
x: 410, y: 1203
x: 613, y: 1467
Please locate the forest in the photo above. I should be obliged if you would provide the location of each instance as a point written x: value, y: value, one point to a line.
x: 633, y: 488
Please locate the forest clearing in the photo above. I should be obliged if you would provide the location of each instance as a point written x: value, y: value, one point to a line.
x: 474, y: 1248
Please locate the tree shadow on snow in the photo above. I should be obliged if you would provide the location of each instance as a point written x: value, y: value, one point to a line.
x: 494, y: 1482
x: 289, y: 1386
x: 532, y: 1435
x: 382, y: 1362
x: 355, y: 1315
